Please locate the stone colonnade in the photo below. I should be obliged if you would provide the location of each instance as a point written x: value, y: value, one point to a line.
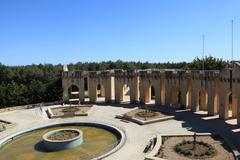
x: 217, y: 92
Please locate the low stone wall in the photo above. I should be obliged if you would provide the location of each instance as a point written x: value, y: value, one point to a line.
x: 63, y: 144
x: 29, y: 106
x: 51, y: 114
x: 142, y: 122
x: 153, y: 152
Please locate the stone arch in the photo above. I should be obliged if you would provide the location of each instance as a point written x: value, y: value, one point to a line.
x: 73, y: 93
x: 152, y: 93
x: 86, y: 87
x: 125, y: 94
x: 149, y: 93
x: 175, y: 96
x: 202, y: 100
x: 231, y: 105
x: 100, y: 92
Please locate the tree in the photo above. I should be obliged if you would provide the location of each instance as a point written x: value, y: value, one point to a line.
x: 36, y: 83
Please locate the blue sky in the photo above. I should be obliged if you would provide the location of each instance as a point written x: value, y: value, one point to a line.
x: 64, y: 31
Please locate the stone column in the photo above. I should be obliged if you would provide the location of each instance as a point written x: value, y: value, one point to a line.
x: 163, y: 91
x: 235, y: 99
x: 142, y: 91
x: 112, y: 88
x: 134, y: 90
x: 194, y: 98
x: 92, y: 90
x: 117, y: 90
x: 108, y: 89
x: 211, y: 94
x: 238, y: 107
x: 81, y: 90
x: 65, y: 85
x: 168, y: 92
x: 183, y: 90
x: 223, y: 108
x: 147, y: 93
x: 65, y: 93
x: 157, y: 88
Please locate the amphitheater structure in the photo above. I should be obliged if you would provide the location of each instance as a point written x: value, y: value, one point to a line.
x: 215, y: 91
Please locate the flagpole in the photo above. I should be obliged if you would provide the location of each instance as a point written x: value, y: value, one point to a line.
x: 232, y: 44
x: 203, y: 50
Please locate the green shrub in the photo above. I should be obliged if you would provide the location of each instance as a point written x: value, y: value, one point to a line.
x: 208, y: 153
x: 201, y: 143
x: 190, y: 153
x: 178, y: 148
x: 184, y: 142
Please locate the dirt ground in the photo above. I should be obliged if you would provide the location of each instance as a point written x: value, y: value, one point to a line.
x: 222, y: 150
x: 156, y: 116
x: 82, y: 109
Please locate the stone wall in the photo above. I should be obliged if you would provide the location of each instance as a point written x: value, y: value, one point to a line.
x: 216, y: 92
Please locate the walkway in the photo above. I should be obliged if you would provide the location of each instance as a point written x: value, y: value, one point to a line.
x: 137, y: 136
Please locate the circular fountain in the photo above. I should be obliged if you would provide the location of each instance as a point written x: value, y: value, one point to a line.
x: 62, y: 139
x: 67, y: 140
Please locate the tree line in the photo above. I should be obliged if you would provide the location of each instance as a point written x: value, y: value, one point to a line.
x: 30, y: 84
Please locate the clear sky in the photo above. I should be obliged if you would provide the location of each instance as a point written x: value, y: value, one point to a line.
x: 64, y: 31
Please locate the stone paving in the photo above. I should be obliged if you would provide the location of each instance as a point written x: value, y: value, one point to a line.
x: 137, y: 136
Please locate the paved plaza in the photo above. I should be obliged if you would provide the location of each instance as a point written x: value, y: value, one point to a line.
x: 137, y: 136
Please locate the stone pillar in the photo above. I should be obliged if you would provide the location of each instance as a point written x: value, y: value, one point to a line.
x: 142, y: 92
x: 183, y: 89
x: 65, y: 85
x: 238, y: 108
x: 122, y: 91
x: 108, y: 89
x: 65, y: 94
x: 134, y: 89
x: 163, y: 91
x: 157, y: 87
x: 235, y: 99
x: 102, y: 91
x: 117, y: 90
x: 188, y: 96
x: 92, y: 90
x: 112, y: 88
x: 194, y: 97
x: 234, y: 106
x: 147, y: 94
x: 168, y: 92
x: 217, y: 96
x: 223, y: 114
x: 237, y: 87
x: 211, y: 96
x: 81, y: 90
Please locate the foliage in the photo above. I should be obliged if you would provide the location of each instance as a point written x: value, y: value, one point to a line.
x: 209, y: 63
x: 185, y: 149
x: 42, y: 83
x: 29, y: 84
